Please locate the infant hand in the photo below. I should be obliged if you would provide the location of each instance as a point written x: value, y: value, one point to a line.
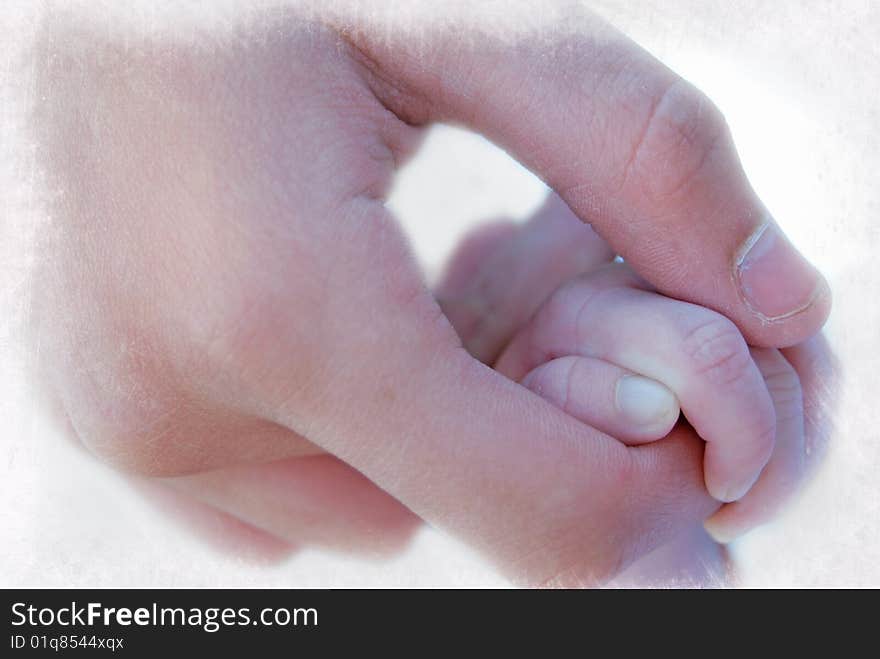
x: 615, y: 354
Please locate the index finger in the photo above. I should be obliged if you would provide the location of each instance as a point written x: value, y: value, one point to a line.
x: 548, y: 499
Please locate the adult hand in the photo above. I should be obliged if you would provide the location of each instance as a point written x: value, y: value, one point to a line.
x: 222, y: 284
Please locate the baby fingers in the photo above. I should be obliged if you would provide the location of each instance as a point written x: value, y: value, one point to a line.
x: 785, y: 470
x: 695, y: 352
x: 632, y: 408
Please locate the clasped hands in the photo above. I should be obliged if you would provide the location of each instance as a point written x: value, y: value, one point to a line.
x: 228, y: 307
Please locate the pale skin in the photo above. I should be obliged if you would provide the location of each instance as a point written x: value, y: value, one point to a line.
x: 609, y: 350
x: 226, y: 303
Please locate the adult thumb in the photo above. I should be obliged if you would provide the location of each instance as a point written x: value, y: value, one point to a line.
x: 628, y: 144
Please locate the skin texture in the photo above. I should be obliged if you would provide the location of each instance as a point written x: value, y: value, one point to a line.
x: 611, y: 316
x: 222, y: 285
x: 584, y: 386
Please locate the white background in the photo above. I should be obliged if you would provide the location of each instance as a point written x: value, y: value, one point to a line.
x: 798, y: 82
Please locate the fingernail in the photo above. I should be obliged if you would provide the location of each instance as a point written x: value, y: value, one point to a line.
x: 721, y: 533
x: 775, y: 280
x: 732, y: 491
x: 644, y: 401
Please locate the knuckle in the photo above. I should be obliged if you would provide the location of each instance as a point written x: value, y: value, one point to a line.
x: 785, y: 389
x: 763, y: 438
x: 783, y: 383
x: 717, y: 352
x: 759, y: 436
x: 682, y: 132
